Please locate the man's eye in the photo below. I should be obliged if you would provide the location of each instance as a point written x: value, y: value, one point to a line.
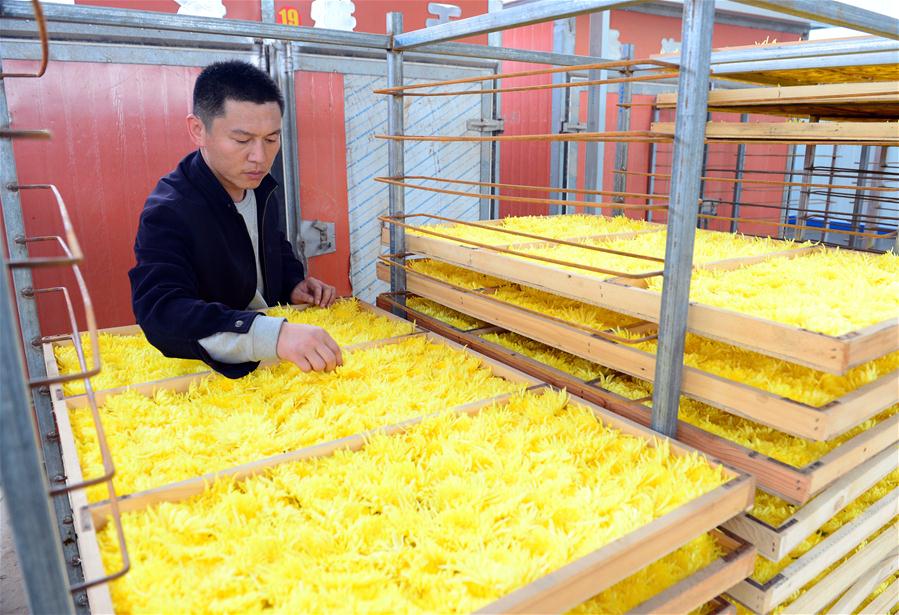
x: 273, y: 140
x: 242, y: 142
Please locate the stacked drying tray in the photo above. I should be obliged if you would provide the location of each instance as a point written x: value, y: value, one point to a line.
x: 419, y: 476
x: 817, y: 442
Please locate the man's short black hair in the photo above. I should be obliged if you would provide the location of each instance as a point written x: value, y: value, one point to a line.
x: 233, y: 80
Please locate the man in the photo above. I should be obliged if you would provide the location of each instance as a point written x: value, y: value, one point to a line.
x: 209, y: 251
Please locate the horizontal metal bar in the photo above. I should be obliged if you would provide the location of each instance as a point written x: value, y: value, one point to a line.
x: 508, y: 54
x: 537, y: 12
x: 371, y: 62
x: 103, y: 16
x: 834, y: 13
x: 803, y: 50
x: 120, y: 54
x: 27, y: 29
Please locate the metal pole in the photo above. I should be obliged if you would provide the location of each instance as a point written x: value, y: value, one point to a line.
x: 563, y: 42
x: 624, y: 120
x: 651, y: 184
x: 41, y: 554
x: 787, y: 200
x: 828, y: 196
x: 872, y: 208
x: 834, y: 13
x: 808, y: 165
x: 396, y: 162
x: 597, y: 96
x: 495, y: 41
x: 860, y: 194
x: 704, y: 222
x: 738, y: 186
x: 290, y: 158
x: 692, y: 99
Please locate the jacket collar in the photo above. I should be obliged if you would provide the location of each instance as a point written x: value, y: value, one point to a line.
x: 201, y: 176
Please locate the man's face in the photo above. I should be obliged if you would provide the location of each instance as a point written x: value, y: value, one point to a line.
x: 240, y: 145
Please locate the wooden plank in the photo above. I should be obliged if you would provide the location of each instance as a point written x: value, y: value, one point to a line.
x: 887, y: 600
x: 816, y: 350
x: 583, y: 578
x: 868, y: 581
x: 705, y: 584
x: 98, y: 597
x: 798, y: 94
x: 734, y: 397
x: 873, y: 132
x: 720, y: 606
x: 796, y: 485
x: 763, y: 598
x: 775, y: 543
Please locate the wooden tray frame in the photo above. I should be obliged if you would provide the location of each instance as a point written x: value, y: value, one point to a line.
x: 763, y: 598
x: 823, y: 423
x: 556, y: 592
x: 833, y: 354
x: 796, y: 485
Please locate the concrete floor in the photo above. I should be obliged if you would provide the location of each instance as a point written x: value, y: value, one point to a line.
x: 12, y: 590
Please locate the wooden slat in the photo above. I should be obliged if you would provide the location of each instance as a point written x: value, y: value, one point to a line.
x: 705, y: 584
x: 796, y: 485
x: 847, y: 132
x: 887, y: 600
x: 868, y: 582
x: 775, y: 543
x: 763, y: 598
x: 98, y: 597
x: 749, y: 402
x: 888, y: 90
x: 816, y: 350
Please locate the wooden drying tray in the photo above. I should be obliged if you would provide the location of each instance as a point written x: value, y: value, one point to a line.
x: 833, y: 354
x: 81, y: 398
x: 823, y: 74
x: 565, y: 588
x: 865, y: 133
x: 763, y: 598
x: 795, y: 485
x: 859, y: 101
x: 816, y: 423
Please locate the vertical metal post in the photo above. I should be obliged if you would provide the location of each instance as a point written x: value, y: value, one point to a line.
x: 859, y: 199
x: 283, y: 72
x: 651, y: 184
x: 689, y: 135
x: 34, y: 518
x: 872, y: 207
x: 267, y: 10
x: 624, y: 121
x: 808, y: 165
x: 597, y: 97
x: 738, y: 185
x: 487, y: 150
x: 704, y: 222
x: 787, y: 200
x: 494, y: 39
x: 829, y: 195
x: 563, y: 42
x: 395, y: 160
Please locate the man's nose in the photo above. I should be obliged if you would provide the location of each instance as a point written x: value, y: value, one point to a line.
x: 257, y: 151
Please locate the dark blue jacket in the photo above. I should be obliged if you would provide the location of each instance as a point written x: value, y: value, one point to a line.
x: 196, y: 272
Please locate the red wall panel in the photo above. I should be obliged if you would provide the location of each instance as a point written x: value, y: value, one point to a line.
x: 236, y: 9
x: 116, y: 131
x: 323, y: 177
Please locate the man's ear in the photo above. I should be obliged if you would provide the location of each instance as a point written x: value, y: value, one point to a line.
x: 197, y: 130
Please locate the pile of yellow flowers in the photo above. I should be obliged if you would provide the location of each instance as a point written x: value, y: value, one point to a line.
x: 446, y: 517
x: 552, y: 227
x: 795, y: 451
x: 766, y: 569
x: 709, y: 246
x: 221, y: 423
x: 444, y: 314
x: 831, y: 291
x: 457, y: 276
x: 129, y: 359
x: 796, y: 382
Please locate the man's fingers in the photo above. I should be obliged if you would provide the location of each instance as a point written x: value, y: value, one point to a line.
x: 332, y: 296
x: 332, y: 345
x: 327, y: 356
x: 303, y: 364
x: 315, y: 360
x: 304, y: 297
x: 317, y: 291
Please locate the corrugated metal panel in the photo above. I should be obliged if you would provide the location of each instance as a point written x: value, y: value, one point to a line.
x: 366, y: 115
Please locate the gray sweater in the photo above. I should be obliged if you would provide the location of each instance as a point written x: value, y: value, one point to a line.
x: 261, y: 341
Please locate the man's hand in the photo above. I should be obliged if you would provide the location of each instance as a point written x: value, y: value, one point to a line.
x: 313, y: 292
x: 309, y: 347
